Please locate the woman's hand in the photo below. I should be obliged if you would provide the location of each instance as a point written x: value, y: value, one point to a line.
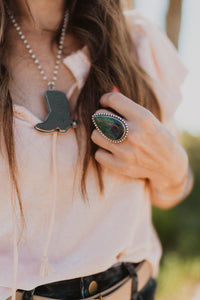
x: 148, y: 152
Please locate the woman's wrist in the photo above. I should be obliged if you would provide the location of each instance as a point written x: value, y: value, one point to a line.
x: 166, y: 198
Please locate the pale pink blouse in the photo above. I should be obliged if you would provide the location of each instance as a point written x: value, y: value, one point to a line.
x: 66, y: 237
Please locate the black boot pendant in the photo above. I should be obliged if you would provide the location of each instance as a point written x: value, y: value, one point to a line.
x: 58, y: 117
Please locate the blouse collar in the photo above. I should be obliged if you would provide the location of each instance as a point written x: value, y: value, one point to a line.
x: 78, y: 62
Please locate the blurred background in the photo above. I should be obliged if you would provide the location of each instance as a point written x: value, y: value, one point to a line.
x: 179, y: 227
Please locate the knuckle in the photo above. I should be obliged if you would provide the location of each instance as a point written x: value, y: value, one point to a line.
x: 148, y: 121
x: 131, y: 133
x: 105, y: 97
x: 112, y: 96
x: 98, y: 155
x: 94, y: 134
x: 134, y: 135
x: 136, y: 144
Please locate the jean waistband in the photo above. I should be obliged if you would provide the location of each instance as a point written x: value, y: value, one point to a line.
x: 84, y: 287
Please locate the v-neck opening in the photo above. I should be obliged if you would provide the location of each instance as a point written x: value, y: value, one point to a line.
x: 23, y: 112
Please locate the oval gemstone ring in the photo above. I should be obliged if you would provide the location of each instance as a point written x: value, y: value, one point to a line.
x: 112, y: 127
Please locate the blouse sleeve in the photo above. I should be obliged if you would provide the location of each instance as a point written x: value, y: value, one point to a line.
x: 159, y: 58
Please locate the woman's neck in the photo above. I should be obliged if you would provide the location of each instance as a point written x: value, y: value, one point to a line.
x: 39, y: 15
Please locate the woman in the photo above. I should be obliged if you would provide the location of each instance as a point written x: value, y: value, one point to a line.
x: 76, y: 204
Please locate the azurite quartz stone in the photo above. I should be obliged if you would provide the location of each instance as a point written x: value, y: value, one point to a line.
x: 110, y: 127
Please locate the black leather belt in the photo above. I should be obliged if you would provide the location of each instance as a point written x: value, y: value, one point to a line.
x: 93, y: 285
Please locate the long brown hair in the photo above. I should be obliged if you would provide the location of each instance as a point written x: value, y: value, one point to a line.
x: 99, y: 24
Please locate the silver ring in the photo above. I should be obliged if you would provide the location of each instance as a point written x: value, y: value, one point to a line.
x: 110, y: 126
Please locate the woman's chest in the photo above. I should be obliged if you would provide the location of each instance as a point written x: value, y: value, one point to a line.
x: 43, y: 157
x: 29, y: 76
x: 27, y: 88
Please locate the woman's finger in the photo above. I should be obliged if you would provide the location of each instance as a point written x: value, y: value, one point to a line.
x: 102, y: 142
x: 125, y: 106
x: 106, y: 159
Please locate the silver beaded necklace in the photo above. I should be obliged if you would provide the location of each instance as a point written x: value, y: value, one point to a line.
x: 58, y: 118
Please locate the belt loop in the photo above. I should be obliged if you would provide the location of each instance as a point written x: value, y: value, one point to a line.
x: 28, y: 295
x: 82, y: 288
x: 131, y: 270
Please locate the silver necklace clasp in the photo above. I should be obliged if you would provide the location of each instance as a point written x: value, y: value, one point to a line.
x: 51, y: 85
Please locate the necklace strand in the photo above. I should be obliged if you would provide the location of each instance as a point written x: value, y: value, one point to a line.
x: 51, y: 84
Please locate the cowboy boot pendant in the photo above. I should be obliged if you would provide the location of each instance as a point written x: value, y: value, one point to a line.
x: 58, y: 117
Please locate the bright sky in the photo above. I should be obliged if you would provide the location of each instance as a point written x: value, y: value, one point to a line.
x: 188, y: 113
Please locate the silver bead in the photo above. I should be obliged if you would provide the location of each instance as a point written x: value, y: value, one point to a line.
x: 60, y: 47
x: 59, y: 51
x: 22, y: 37
x: 28, y: 46
x: 25, y: 42
x: 56, y: 67
x: 54, y: 78
x: 57, y: 62
x: 30, y: 51
x: 42, y: 72
x: 65, y: 18
x: 55, y: 72
x: 33, y: 56
x: 58, y: 56
x: 45, y: 77
x: 15, y: 24
x: 20, y: 32
x: 75, y: 124
x: 18, y: 28
x: 39, y: 67
x: 36, y: 61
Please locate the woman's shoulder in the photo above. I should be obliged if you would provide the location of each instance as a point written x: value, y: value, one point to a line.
x: 133, y: 16
x: 143, y: 30
x: 159, y: 58
x: 153, y: 47
x: 137, y: 21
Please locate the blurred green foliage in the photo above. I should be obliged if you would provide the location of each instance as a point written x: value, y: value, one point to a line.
x: 179, y: 227
x: 179, y: 232
x: 178, y: 278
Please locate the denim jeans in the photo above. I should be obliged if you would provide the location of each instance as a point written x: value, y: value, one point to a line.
x: 148, y: 292
x: 78, y: 289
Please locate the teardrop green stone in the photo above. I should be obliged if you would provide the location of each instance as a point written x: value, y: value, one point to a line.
x: 110, y: 127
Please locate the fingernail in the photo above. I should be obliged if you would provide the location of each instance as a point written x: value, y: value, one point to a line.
x: 116, y: 89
